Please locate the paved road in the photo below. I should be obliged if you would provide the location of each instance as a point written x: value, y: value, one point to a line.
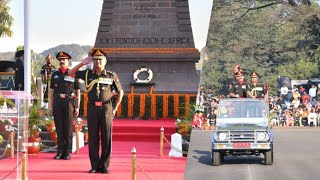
x: 296, y: 157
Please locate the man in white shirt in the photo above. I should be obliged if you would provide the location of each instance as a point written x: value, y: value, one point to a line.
x: 313, y: 91
x: 284, y: 92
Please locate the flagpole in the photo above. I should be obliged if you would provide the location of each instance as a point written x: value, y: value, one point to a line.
x: 27, y: 81
x: 27, y: 49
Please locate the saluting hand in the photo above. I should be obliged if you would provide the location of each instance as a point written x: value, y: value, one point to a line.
x: 76, y: 112
x: 87, y: 60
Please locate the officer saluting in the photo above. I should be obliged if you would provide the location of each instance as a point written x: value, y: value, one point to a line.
x: 65, y: 95
x: 238, y: 89
x: 255, y: 89
x: 100, y: 84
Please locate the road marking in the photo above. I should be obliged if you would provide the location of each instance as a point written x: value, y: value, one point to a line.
x: 250, y: 178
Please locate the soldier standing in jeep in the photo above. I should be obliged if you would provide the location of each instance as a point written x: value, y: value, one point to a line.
x: 238, y: 89
x: 255, y: 89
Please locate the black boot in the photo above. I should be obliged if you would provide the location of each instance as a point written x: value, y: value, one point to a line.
x: 67, y: 156
x: 58, y: 156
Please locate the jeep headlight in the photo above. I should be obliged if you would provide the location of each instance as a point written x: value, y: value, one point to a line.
x: 223, y: 136
x: 262, y: 136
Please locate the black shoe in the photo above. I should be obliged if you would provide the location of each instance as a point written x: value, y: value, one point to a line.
x: 67, y: 157
x: 58, y: 156
x: 93, y: 170
x: 104, y: 171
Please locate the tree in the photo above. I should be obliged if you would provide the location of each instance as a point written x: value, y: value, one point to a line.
x: 259, y: 35
x: 6, y: 19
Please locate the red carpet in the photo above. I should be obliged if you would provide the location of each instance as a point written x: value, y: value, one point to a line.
x: 142, y: 130
x: 150, y: 165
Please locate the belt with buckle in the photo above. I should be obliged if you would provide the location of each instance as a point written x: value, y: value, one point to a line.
x: 100, y: 103
x: 62, y: 96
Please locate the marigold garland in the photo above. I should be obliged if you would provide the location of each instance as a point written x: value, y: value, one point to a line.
x: 130, y: 105
x: 142, y: 97
x: 142, y: 104
x: 187, y: 105
x: 165, y: 105
x: 176, y: 105
x: 153, y: 106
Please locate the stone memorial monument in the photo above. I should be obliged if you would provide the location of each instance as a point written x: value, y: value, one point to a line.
x: 149, y: 43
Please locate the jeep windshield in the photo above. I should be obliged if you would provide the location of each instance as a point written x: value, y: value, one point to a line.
x: 242, y: 114
x: 242, y: 109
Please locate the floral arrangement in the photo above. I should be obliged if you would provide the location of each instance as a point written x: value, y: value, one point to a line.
x: 183, y: 126
x: 48, y: 119
x: 6, y: 122
x: 85, y: 129
x: 35, y: 128
x: 11, y: 129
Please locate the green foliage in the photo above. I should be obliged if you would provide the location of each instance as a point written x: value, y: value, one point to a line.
x: 8, y: 101
x: 6, y: 19
x: 136, y: 106
x: 159, y: 109
x: 262, y: 37
x: 35, y: 120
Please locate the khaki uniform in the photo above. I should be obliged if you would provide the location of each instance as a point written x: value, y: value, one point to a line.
x: 257, y: 91
x: 100, y: 108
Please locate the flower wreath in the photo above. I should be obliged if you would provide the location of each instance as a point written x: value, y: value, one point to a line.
x: 140, y: 70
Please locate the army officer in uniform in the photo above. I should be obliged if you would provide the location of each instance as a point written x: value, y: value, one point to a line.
x: 255, y: 89
x: 19, y: 71
x: 65, y: 96
x: 239, y: 88
x: 100, y: 84
x: 46, y: 71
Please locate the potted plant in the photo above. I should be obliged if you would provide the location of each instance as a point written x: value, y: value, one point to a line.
x: 4, y: 124
x: 10, y: 130
x: 53, y: 135
x: 183, y: 127
x: 49, y: 121
x: 34, y: 130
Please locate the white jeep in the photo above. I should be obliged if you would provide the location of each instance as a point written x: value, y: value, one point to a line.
x: 242, y: 128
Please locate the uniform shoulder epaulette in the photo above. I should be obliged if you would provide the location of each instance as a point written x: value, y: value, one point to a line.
x: 110, y: 72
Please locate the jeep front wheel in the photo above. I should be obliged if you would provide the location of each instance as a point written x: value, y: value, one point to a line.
x: 216, y: 158
x: 268, y: 157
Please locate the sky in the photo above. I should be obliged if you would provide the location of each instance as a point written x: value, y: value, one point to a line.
x: 55, y: 22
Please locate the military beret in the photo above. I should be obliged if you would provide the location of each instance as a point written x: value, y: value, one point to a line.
x: 236, y: 69
x: 239, y: 74
x: 254, y: 75
x: 98, y: 54
x: 62, y: 55
x: 19, y: 53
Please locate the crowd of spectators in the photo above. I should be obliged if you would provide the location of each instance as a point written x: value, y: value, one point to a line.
x: 206, y: 108
x: 296, y: 107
